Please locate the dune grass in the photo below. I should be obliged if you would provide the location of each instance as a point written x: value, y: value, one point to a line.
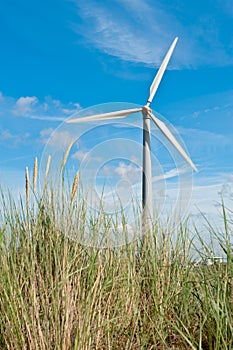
x: 56, y: 293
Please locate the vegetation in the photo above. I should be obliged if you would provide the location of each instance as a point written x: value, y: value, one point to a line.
x: 56, y: 293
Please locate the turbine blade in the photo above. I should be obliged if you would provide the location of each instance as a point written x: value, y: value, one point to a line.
x: 104, y: 116
x: 162, y: 127
x: 159, y: 75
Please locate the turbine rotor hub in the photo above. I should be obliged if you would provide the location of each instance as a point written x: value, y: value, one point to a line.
x: 145, y: 110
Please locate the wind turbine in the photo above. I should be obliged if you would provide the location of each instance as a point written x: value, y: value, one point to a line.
x: 147, y: 114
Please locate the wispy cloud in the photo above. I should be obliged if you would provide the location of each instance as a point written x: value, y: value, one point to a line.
x: 204, y: 139
x: 207, y: 196
x: 170, y: 174
x: 211, y: 108
x: 57, y: 139
x: 140, y: 31
x: 13, y: 139
x: 227, y: 7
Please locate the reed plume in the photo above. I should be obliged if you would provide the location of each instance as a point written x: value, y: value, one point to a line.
x: 66, y: 155
x: 74, y: 187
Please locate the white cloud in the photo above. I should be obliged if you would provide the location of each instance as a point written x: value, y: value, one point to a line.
x: 129, y: 172
x: 71, y: 108
x: 80, y: 155
x: 31, y: 107
x: 24, y: 105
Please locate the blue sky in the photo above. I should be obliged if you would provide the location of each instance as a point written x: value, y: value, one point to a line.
x: 60, y: 57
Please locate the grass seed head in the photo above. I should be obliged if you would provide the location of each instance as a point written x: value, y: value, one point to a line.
x: 47, y: 166
x: 27, y: 184
x: 35, y: 171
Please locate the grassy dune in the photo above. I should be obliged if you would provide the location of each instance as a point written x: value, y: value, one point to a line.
x: 56, y: 293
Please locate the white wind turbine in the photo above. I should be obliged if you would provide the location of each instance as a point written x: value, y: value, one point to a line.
x: 147, y: 117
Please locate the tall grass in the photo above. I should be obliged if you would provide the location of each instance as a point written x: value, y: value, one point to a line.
x: 57, y: 293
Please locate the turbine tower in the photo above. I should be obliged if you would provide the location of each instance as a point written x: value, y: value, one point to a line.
x: 147, y: 196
